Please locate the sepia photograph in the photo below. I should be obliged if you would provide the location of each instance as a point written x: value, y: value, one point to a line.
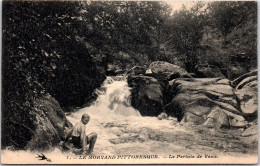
x: 129, y: 82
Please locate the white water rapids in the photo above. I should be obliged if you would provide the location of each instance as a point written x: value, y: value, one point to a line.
x: 113, y: 102
x: 113, y: 118
x: 122, y: 130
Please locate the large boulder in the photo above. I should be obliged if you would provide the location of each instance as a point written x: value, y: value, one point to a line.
x: 146, y: 95
x: 251, y: 133
x: 51, y: 108
x: 167, y: 71
x: 50, y: 124
x: 236, y: 81
x: 44, y: 136
x: 246, y: 91
x: 208, y: 101
x: 208, y: 71
x: 217, y: 118
x: 137, y: 70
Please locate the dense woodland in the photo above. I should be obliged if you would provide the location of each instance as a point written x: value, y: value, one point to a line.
x: 66, y: 49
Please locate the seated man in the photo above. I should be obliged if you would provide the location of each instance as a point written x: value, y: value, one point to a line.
x: 79, y: 138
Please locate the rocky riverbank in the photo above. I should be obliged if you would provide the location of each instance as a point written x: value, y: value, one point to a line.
x: 209, y: 102
x: 123, y: 131
x: 216, y: 108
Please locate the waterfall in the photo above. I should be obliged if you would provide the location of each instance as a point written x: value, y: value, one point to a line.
x: 114, y: 120
x: 113, y: 117
x: 122, y: 130
x: 113, y: 101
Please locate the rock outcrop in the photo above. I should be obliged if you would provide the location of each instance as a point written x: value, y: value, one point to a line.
x: 236, y: 81
x: 246, y: 91
x: 208, y: 71
x: 251, y: 133
x: 167, y: 71
x: 212, y: 102
x: 146, y: 95
x: 205, y: 101
x: 51, y: 108
x: 49, y: 122
x: 45, y: 136
x: 217, y: 118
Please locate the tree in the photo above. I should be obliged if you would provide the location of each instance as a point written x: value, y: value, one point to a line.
x: 187, y: 31
x: 227, y: 15
x: 237, y: 22
x: 120, y: 28
x: 43, y: 53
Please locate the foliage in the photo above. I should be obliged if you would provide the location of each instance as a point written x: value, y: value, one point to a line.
x: 236, y: 21
x: 126, y: 28
x: 227, y: 16
x: 187, y: 32
x: 42, y: 54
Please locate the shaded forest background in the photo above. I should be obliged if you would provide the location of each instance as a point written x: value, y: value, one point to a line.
x: 66, y: 49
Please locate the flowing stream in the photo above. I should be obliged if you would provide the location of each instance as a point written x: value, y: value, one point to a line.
x: 123, y: 131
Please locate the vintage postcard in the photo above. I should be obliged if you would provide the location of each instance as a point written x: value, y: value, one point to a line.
x: 129, y: 82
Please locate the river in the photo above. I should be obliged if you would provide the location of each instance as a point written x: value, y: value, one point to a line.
x: 123, y: 131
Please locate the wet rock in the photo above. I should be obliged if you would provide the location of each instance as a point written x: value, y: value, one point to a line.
x: 248, y: 100
x: 148, y: 72
x: 164, y: 70
x: 236, y: 81
x: 196, y: 101
x: 137, y: 70
x: 249, y: 81
x: 208, y: 71
x: 51, y: 108
x: 146, y: 95
x: 49, y: 123
x: 246, y: 91
x: 162, y: 67
x: 45, y: 136
x: 162, y: 116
